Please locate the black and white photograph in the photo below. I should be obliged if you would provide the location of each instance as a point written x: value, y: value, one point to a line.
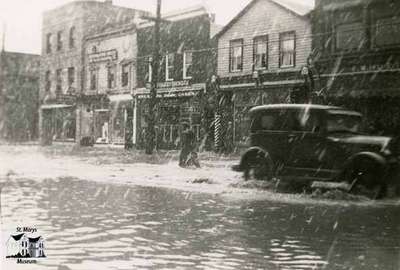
x: 199, y: 134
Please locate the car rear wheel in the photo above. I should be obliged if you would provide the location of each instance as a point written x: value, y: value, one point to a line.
x: 257, y: 167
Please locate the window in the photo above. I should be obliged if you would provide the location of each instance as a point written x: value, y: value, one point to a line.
x: 59, y: 81
x: 48, y: 43
x: 93, y: 79
x: 236, y: 55
x: 287, y: 47
x: 110, y: 77
x: 385, y: 25
x: 125, y: 75
x: 71, y: 77
x: 47, y: 81
x: 187, y: 65
x: 149, y: 69
x: 59, y: 41
x: 350, y: 36
x: 260, y: 52
x: 72, y: 37
x: 169, y: 66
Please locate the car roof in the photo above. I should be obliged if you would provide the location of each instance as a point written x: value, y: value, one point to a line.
x: 295, y: 106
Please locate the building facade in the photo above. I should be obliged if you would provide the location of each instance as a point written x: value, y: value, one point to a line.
x: 106, y: 104
x: 186, y: 64
x: 357, y: 59
x: 61, y: 77
x: 261, y: 54
x: 19, y: 96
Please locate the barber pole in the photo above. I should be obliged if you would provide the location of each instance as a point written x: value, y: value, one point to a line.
x: 217, y: 132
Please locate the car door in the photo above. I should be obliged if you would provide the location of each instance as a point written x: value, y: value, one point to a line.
x: 269, y: 130
x: 307, y: 146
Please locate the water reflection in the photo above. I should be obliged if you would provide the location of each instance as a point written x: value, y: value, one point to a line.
x: 89, y: 225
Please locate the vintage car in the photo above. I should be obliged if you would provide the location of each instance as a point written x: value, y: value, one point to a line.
x: 316, y: 143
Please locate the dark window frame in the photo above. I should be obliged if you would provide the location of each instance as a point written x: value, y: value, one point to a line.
x: 125, y: 75
x: 59, y: 81
x: 281, y: 53
x: 256, y: 41
x: 71, y: 76
x: 60, y: 44
x: 231, y: 51
x: 72, y: 37
x: 47, y: 81
x: 48, y: 43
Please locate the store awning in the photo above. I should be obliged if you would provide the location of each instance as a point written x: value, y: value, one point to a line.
x: 120, y: 98
x: 55, y: 106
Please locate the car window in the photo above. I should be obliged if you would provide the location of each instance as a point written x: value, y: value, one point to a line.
x: 271, y: 120
x: 306, y: 120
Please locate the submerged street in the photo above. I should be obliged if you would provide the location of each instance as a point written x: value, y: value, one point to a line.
x: 95, y: 215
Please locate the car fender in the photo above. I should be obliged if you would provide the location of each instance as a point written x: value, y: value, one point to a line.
x: 379, y: 159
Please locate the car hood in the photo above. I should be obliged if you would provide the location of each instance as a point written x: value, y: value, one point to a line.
x: 380, y: 141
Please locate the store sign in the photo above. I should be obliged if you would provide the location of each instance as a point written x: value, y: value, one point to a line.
x: 104, y: 56
x: 171, y: 94
x: 172, y: 84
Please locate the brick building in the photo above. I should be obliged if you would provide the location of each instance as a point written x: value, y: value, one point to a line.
x: 61, y: 76
x: 19, y: 96
x: 261, y: 53
x: 357, y: 59
x: 106, y: 104
x: 187, y: 63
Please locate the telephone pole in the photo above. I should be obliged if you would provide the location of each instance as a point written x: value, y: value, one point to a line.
x: 151, y: 136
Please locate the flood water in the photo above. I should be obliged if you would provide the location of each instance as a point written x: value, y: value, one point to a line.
x: 89, y: 225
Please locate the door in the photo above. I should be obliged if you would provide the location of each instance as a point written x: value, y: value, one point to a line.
x: 269, y: 130
x: 307, y: 146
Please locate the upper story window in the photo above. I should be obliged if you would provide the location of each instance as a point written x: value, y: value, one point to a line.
x: 125, y: 75
x: 59, y: 81
x: 187, y: 65
x: 72, y: 38
x: 385, y: 26
x: 110, y: 77
x: 71, y: 76
x: 48, y: 43
x: 93, y: 79
x: 150, y: 69
x: 260, y: 52
x: 350, y: 31
x: 287, y: 49
x: 169, y: 67
x: 59, y: 40
x: 236, y: 55
x: 47, y: 81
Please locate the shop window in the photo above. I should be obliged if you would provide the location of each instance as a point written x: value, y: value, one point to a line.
x: 385, y: 25
x: 187, y: 65
x: 59, y: 81
x: 287, y: 49
x: 110, y: 77
x: 125, y: 75
x: 71, y: 77
x: 59, y: 40
x: 48, y: 81
x: 72, y: 38
x: 350, y: 36
x: 93, y: 79
x: 236, y: 55
x: 169, y: 66
x: 260, y: 52
x: 48, y: 43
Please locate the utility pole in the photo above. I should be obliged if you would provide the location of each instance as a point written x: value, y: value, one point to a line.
x: 151, y: 136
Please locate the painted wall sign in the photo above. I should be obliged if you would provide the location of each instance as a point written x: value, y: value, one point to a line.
x: 103, y: 56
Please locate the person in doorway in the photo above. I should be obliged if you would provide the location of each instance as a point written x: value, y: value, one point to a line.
x: 188, y: 155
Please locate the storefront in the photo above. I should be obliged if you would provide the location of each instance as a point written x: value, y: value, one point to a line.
x: 246, y: 96
x: 58, y: 123
x: 175, y: 105
x: 108, y: 118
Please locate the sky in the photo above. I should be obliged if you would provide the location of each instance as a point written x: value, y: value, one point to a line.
x: 22, y: 18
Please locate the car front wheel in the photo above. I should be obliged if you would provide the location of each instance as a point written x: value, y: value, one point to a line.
x: 257, y: 167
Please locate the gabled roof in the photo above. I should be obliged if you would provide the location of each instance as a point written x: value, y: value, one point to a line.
x: 34, y: 240
x: 299, y: 8
x: 17, y: 237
